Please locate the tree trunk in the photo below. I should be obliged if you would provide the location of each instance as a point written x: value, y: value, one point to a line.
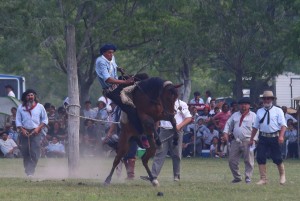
x: 186, y: 80
x: 74, y: 108
x: 238, y: 88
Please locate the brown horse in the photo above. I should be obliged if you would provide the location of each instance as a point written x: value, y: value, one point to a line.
x: 154, y: 100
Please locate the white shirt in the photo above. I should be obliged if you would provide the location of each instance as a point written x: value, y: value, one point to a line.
x: 179, y: 116
x: 208, y: 100
x: 7, y: 145
x: 32, y: 119
x: 288, y: 116
x: 91, y: 113
x: 277, y: 120
x: 193, y: 101
x: 243, y: 131
x: 11, y: 93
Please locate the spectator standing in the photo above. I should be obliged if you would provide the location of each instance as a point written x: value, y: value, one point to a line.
x: 270, y: 121
x: 10, y: 91
x: 88, y: 111
x: 212, y: 106
x: 221, y: 118
x: 183, y: 117
x: 11, y: 120
x: 197, y: 99
x: 208, y: 97
x: 292, y: 137
x: 240, y: 123
x: 208, y: 136
x: 31, y: 118
x: 287, y: 115
x: 234, y: 107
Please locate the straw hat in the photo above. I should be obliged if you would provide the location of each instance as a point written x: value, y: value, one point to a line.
x: 268, y: 94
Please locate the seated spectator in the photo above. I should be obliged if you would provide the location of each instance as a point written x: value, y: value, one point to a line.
x: 205, y: 114
x: 102, y: 114
x: 8, y: 147
x: 55, y: 149
x: 214, y: 147
x: 197, y: 99
x: 208, y: 136
x: 90, y: 130
x: 12, y: 132
x: 216, y: 111
x: 62, y: 117
x: 292, y: 137
x: 11, y: 120
x: 222, y: 148
x: 56, y: 131
x: 212, y: 106
x: 52, y: 116
x: 9, y: 90
x: 88, y: 111
x: 188, y: 146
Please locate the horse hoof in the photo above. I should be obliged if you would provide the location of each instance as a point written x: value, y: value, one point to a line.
x: 155, y: 183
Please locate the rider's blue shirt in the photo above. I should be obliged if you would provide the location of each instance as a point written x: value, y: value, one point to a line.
x: 106, y: 69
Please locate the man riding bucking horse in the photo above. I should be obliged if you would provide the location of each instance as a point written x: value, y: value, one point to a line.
x: 106, y: 69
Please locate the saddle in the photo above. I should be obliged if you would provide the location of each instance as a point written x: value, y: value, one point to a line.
x: 127, y: 95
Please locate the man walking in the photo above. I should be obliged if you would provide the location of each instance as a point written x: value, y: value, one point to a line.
x: 183, y: 117
x: 241, y: 124
x: 270, y: 121
x: 31, y: 118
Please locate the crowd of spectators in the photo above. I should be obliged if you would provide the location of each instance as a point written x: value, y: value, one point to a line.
x: 203, y: 137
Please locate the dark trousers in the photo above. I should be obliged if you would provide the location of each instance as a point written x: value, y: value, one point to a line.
x: 265, y: 144
x: 129, y: 110
x: 30, y: 148
x: 293, y: 150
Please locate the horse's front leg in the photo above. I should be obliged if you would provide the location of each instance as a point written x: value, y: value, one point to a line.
x: 149, y: 154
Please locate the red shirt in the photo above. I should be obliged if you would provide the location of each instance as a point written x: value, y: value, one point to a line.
x: 222, y: 118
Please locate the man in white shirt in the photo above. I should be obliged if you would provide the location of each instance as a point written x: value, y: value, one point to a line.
x: 30, y: 119
x: 8, y: 146
x: 88, y: 111
x: 241, y: 124
x: 183, y: 117
x: 270, y: 121
x: 9, y: 91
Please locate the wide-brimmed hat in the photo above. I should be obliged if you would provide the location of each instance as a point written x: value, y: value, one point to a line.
x: 245, y: 100
x: 268, y: 94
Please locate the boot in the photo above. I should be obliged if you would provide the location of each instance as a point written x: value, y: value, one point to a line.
x: 281, y: 173
x: 263, y: 175
x: 130, y: 164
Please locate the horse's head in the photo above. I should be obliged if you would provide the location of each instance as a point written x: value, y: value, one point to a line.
x: 169, y: 95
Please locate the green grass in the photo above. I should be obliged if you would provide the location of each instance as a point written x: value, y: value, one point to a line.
x: 201, y: 179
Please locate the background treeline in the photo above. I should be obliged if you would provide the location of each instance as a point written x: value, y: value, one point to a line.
x: 220, y: 45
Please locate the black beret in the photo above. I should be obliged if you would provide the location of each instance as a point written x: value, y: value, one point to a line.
x: 245, y: 100
x: 107, y: 47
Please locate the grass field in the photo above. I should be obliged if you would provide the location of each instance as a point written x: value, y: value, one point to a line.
x: 202, y: 179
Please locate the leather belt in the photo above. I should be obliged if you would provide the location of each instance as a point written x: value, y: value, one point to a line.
x: 274, y: 134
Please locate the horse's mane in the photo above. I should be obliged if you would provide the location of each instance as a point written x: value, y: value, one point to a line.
x: 152, y: 86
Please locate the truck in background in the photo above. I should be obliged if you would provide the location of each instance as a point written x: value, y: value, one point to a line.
x: 17, y: 82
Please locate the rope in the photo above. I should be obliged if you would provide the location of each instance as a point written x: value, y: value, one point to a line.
x: 83, y: 117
